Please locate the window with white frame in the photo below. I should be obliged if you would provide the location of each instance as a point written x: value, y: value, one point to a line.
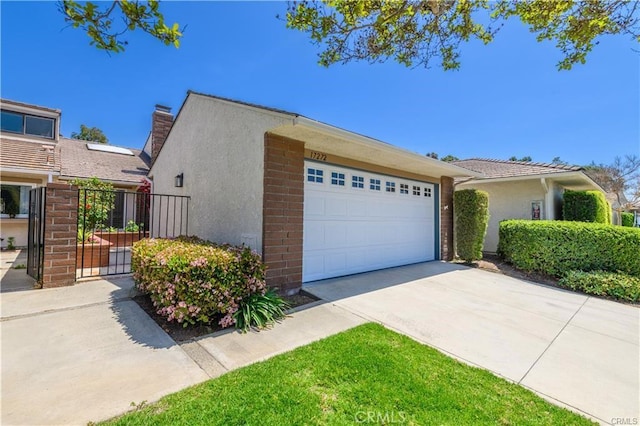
x: 404, y: 188
x: 416, y: 190
x: 15, y: 200
x: 391, y: 186
x: 337, y: 178
x: 374, y: 184
x: 357, y: 182
x: 25, y: 124
x: 427, y: 192
x: 315, y: 175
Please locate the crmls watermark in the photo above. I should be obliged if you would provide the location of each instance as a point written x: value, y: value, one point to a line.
x: 388, y: 417
x: 624, y: 421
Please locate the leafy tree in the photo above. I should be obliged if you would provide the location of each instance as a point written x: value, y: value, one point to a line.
x: 559, y: 161
x: 449, y: 158
x: 99, y: 20
x: 90, y: 134
x: 523, y: 159
x: 432, y: 155
x: 622, y: 178
x: 96, y: 200
x: 414, y: 32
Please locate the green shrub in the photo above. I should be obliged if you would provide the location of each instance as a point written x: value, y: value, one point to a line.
x: 601, y: 283
x: 260, y: 311
x: 586, y: 206
x: 627, y: 219
x: 96, y: 200
x: 556, y: 247
x: 471, y: 209
x: 194, y: 281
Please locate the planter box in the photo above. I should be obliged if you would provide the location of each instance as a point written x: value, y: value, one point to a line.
x: 94, y: 254
x: 122, y: 238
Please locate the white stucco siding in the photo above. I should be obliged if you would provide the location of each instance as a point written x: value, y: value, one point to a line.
x: 219, y: 146
x: 508, y: 200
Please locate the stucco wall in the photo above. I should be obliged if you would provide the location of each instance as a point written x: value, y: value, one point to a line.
x: 17, y: 227
x: 219, y: 147
x: 508, y: 200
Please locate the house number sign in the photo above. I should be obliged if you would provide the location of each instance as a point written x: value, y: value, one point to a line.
x: 318, y: 156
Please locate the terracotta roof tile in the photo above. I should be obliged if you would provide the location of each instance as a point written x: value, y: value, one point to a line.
x: 79, y: 161
x: 37, y: 156
x: 502, y: 169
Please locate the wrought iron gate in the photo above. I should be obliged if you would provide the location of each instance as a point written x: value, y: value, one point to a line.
x: 35, y: 236
x: 110, y: 222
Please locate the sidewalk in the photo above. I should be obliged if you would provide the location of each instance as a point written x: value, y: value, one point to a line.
x: 87, y: 353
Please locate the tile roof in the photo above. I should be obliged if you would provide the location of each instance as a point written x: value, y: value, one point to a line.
x: 79, y: 161
x: 35, y: 156
x: 504, y: 169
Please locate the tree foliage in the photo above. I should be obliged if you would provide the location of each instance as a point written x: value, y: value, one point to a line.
x: 525, y: 159
x: 90, y: 134
x: 96, y: 200
x: 106, y: 23
x: 622, y: 178
x: 415, y: 32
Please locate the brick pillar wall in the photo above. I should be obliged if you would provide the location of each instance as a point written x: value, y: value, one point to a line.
x: 161, y: 122
x: 282, y: 212
x: 60, y: 233
x: 446, y: 218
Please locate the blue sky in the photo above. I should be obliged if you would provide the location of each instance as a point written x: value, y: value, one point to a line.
x: 507, y: 99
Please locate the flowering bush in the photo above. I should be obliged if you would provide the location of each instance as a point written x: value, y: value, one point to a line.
x: 194, y: 281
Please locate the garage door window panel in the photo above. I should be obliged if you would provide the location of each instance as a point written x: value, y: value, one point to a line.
x: 357, y: 182
x: 337, y: 178
x: 315, y: 175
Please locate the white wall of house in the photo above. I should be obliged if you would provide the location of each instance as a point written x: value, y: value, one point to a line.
x: 219, y: 147
x: 509, y: 200
x: 18, y: 227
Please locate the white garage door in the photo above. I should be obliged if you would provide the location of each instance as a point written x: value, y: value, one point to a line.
x: 356, y: 221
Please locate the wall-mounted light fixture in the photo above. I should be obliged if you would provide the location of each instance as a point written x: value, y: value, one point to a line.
x: 179, y: 180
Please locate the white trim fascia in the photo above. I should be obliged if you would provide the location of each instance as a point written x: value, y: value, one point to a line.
x: 30, y: 171
x: 112, y: 181
x: 364, y: 140
x: 547, y: 176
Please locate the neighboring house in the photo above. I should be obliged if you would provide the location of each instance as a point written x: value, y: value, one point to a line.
x: 522, y: 190
x: 32, y: 153
x: 315, y: 200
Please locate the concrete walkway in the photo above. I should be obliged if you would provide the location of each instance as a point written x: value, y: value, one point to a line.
x: 575, y: 350
x: 87, y: 353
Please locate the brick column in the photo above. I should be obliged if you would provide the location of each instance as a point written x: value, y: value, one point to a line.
x: 446, y: 218
x: 282, y: 212
x: 60, y: 234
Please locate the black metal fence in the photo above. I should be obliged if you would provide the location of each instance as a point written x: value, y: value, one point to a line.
x: 35, y: 234
x: 109, y: 222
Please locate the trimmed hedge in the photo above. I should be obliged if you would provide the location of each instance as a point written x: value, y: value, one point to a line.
x: 557, y: 247
x: 601, y: 283
x: 471, y: 209
x: 194, y: 281
x: 627, y: 218
x: 586, y: 206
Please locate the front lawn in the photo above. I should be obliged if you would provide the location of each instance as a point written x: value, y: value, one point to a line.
x: 365, y: 375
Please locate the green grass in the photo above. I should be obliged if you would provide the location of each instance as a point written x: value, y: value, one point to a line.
x: 340, y: 379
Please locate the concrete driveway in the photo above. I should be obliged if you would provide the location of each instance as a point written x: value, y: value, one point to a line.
x: 577, y: 351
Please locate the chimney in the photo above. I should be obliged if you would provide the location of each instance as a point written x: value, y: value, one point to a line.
x: 161, y: 122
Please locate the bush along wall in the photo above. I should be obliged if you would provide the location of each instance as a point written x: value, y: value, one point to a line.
x: 627, y: 219
x: 471, y: 210
x: 557, y: 247
x: 194, y: 281
x: 586, y: 206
